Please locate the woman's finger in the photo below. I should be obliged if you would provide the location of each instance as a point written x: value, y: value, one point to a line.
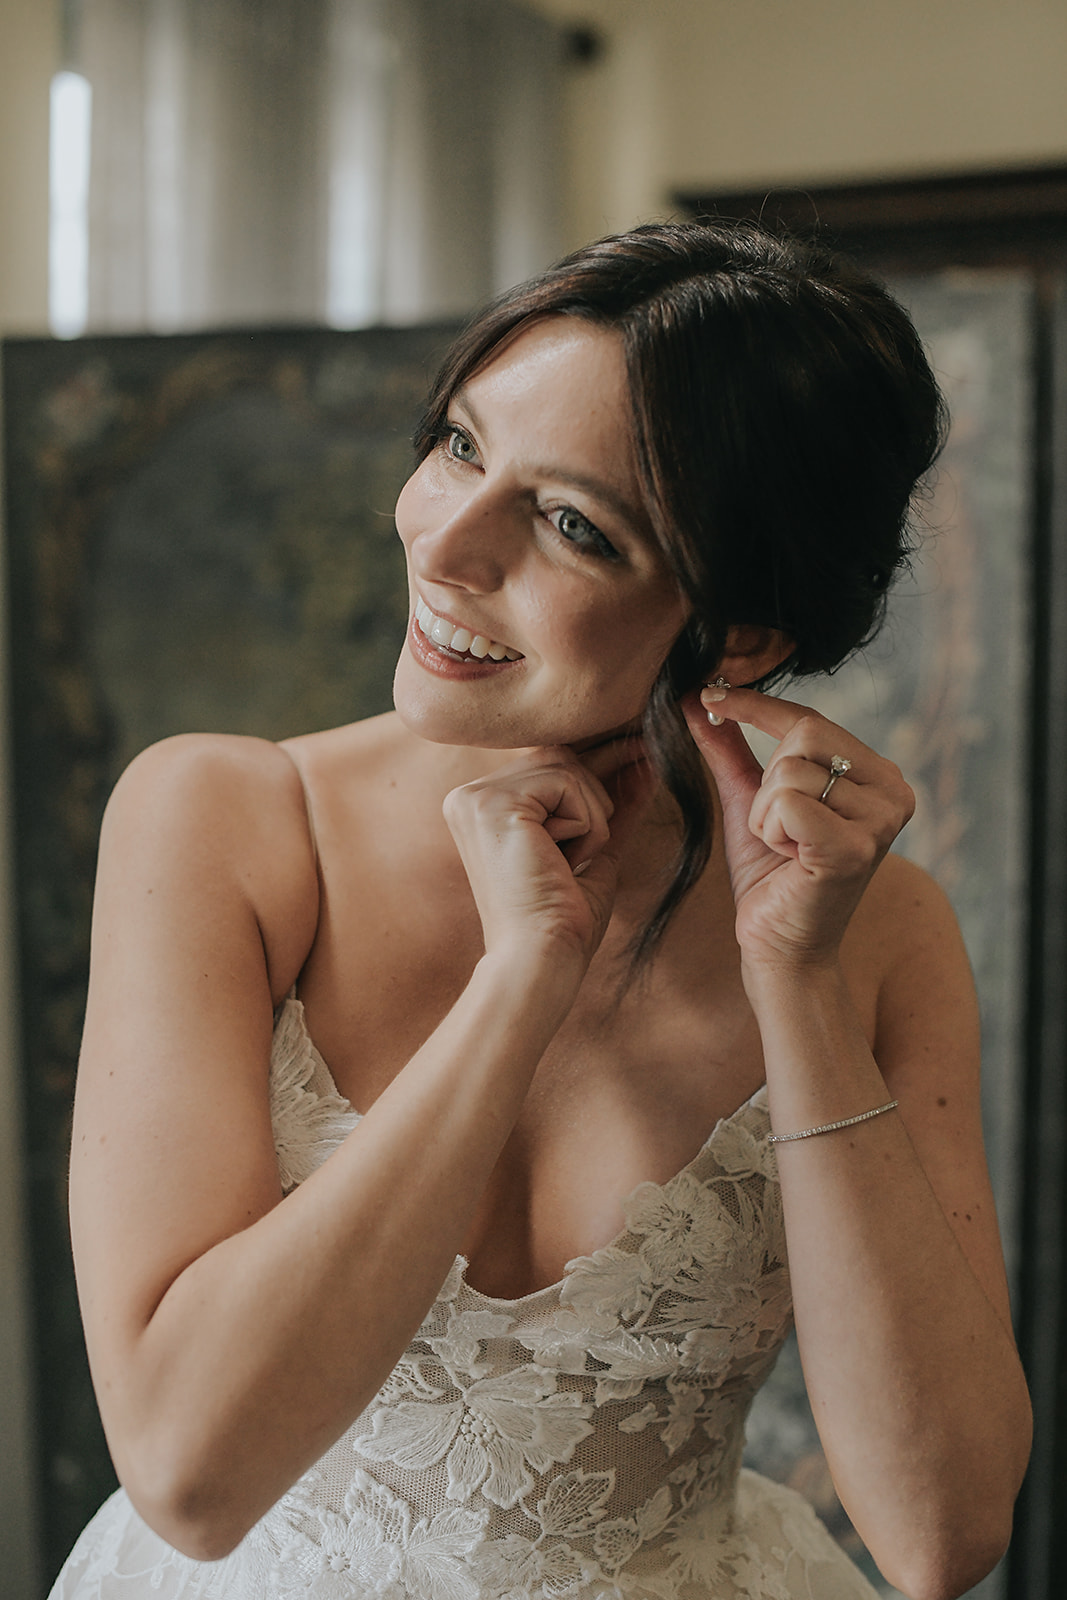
x: 799, y: 730
x: 570, y: 769
x: 633, y: 786
x: 581, y: 846
x: 559, y: 829
x: 804, y: 829
x: 736, y: 775
x: 806, y: 734
x: 578, y: 820
x: 778, y: 718
x: 735, y: 769
x: 808, y: 778
x: 604, y: 762
x: 558, y: 795
x: 603, y: 774
x: 521, y: 831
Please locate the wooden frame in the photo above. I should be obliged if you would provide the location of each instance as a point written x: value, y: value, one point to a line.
x: 975, y: 218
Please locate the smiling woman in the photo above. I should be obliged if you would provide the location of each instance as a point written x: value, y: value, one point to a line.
x: 636, y: 1051
x: 525, y: 524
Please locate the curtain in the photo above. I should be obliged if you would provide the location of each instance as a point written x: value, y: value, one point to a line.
x: 308, y: 161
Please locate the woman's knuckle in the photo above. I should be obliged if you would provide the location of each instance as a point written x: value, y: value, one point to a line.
x: 897, y: 786
x: 784, y: 770
x: 811, y: 725
x: 891, y: 811
x: 865, y: 851
x: 452, y: 805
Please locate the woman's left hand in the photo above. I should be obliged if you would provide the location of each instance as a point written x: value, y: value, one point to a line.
x: 798, y: 864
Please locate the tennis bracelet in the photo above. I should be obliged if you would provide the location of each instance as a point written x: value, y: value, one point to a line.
x: 831, y: 1127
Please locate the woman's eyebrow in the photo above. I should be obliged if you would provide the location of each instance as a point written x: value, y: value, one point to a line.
x: 605, y: 492
x: 598, y: 489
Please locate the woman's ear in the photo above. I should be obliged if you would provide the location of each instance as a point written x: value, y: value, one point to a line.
x: 751, y: 652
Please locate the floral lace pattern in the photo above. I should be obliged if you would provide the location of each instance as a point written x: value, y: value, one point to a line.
x: 583, y: 1441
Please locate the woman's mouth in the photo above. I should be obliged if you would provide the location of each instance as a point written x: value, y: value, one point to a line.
x: 457, y: 642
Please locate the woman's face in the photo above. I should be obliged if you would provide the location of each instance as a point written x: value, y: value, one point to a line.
x: 542, y: 608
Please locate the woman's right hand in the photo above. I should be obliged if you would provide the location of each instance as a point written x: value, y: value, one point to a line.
x: 540, y: 840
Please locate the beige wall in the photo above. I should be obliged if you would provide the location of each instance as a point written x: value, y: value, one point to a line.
x: 28, y: 53
x: 704, y: 94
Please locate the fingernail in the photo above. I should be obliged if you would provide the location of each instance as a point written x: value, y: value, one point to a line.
x: 715, y: 721
x: 713, y: 692
x: 579, y: 869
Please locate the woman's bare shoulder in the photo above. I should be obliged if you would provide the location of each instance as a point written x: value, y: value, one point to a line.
x: 211, y: 786
x: 206, y: 821
x: 238, y: 778
x: 229, y: 808
x: 208, y: 761
x: 903, y: 913
x: 907, y: 945
x: 906, y: 960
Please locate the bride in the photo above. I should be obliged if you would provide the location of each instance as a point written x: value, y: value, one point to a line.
x: 456, y: 1085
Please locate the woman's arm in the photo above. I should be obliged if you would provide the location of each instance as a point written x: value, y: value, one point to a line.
x: 234, y: 1335
x: 898, y: 1283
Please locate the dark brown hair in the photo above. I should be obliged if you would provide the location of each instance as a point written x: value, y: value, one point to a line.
x: 783, y: 414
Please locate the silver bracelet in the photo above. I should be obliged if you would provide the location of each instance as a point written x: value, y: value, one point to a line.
x: 830, y: 1127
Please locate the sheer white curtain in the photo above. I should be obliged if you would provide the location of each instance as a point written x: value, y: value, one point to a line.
x: 290, y: 161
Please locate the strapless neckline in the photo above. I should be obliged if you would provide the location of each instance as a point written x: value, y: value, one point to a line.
x: 584, y: 1439
x: 755, y: 1103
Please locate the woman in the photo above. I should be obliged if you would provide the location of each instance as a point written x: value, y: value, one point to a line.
x: 549, y: 924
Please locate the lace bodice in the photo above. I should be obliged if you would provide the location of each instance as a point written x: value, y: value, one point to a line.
x: 583, y: 1441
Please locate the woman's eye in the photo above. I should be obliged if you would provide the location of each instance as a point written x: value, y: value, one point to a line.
x: 460, y: 445
x: 578, y: 530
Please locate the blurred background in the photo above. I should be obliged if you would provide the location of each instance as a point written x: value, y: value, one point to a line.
x: 234, y: 238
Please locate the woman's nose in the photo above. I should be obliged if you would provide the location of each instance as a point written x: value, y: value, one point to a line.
x: 467, y: 545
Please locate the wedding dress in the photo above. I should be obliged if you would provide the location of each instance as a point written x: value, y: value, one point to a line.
x: 581, y: 1443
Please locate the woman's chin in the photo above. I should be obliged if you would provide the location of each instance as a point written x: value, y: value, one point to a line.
x: 436, y: 729
x: 440, y: 720
x: 622, y: 730
x: 441, y: 730
x: 440, y: 723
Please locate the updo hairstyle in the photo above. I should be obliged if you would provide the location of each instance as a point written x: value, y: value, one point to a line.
x: 783, y: 412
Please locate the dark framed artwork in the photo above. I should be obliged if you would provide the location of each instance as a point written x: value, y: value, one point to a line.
x: 200, y: 536
x: 945, y: 691
x: 966, y: 236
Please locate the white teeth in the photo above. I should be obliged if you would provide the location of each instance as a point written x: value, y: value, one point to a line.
x: 462, y: 640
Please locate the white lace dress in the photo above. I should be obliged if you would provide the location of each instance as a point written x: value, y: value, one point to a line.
x: 582, y: 1443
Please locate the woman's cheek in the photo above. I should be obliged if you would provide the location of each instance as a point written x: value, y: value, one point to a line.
x: 407, y: 505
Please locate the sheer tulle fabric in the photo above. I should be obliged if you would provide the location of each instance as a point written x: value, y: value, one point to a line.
x: 582, y: 1443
